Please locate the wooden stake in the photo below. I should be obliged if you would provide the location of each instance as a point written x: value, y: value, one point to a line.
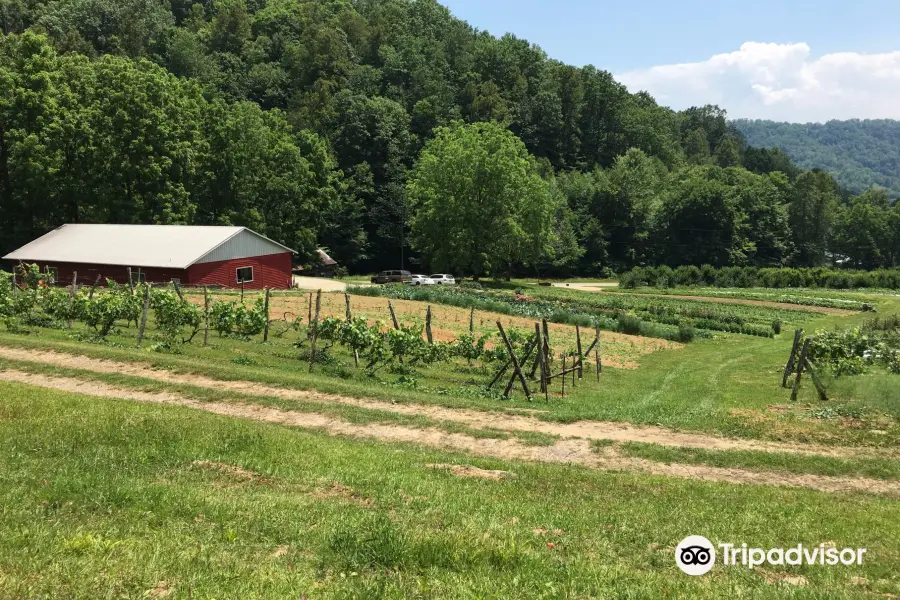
x: 205, y: 315
x: 580, y: 354
x: 537, y: 359
x: 266, y: 310
x: 428, y: 324
x: 515, y: 361
x: 143, y: 324
x: 813, y: 372
x: 309, y: 311
x: 800, y: 364
x: 178, y: 290
x: 512, y: 380
x: 130, y: 281
x: 574, y: 369
x: 93, y: 287
x: 242, y: 291
x: 393, y: 315
x: 472, y: 320
x: 789, y: 367
x: 597, y: 363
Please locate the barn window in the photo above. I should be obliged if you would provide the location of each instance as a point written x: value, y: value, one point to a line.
x: 138, y: 276
x: 245, y: 275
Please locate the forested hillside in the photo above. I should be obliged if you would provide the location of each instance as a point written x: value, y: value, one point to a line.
x: 859, y: 154
x: 327, y: 123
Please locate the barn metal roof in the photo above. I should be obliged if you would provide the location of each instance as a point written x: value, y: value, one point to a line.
x: 173, y: 246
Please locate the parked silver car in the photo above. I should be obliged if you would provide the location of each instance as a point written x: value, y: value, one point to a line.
x: 421, y: 280
x: 443, y: 279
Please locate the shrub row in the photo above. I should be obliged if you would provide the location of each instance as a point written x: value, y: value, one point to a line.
x: 745, y: 277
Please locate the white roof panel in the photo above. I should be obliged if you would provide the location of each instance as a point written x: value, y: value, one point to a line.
x: 173, y: 246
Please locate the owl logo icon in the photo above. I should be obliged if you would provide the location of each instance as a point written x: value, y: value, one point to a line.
x: 695, y: 555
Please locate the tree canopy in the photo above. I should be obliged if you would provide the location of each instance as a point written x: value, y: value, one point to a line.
x: 330, y: 123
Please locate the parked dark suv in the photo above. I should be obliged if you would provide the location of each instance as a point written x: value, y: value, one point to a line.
x: 393, y: 277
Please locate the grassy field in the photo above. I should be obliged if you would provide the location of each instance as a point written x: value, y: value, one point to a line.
x: 365, y: 491
x: 105, y: 499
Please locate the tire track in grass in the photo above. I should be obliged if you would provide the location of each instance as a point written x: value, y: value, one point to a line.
x: 503, y: 421
x: 570, y: 451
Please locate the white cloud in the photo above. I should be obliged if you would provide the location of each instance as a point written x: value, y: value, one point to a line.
x: 780, y: 82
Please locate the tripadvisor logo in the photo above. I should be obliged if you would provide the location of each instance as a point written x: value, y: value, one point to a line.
x: 696, y: 555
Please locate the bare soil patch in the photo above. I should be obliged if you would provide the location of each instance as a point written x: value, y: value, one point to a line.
x: 500, y: 420
x: 470, y: 471
x: 234, y: 471
x: 569, y: 451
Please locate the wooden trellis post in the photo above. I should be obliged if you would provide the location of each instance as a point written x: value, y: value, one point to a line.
x: 266, y: 310
x: 178, y: 290
x: 130, y: 281
x: 813, y: 373
x: 580, y: 354
x: 314, y: 326
x: 514, y: 360
x: 428, y: 325
x: 146, y: 307
x: 205, y: 315
x: 349, y: 318
x: 472, y: 320
x: 801, y: 363
x: 393, y: 315
x: 789, y: 367
x: 563, y: 377
x: 94, y: 286
x: 72, y: 292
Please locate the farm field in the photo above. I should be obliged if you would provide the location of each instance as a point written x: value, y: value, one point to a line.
x: 161, y: 466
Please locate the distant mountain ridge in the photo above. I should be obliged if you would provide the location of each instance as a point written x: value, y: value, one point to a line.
x: 858, y: 153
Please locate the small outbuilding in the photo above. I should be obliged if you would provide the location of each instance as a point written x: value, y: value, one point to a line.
x: 191, y: 255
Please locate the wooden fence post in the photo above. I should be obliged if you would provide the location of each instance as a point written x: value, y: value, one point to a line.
x: 242, y: 291
x: 597, y: 362
x: 515, y: 361
x: 178, y: 290
x: 266, y: 309
x: 146, y: 307
x: 130, y: 281
x: 205, y: 315
x: 800, y: 364
x: 537, y: 359
x: 472, y: 320
x: 789, y: 367
x: 428, y: 325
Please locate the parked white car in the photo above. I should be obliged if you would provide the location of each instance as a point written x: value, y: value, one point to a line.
x: 443, y: 279
x: 421, y: 280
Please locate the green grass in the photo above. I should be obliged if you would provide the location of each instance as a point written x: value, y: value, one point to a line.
x: 722, y: 385
x: 800, y: 297
x: 103, y: 499
x: 876, y: 468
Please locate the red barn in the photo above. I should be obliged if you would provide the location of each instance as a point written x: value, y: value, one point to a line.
x: 191, y: 255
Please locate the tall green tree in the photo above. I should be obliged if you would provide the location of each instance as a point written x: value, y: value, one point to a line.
x: 810, y: 214
x: 478, y: 203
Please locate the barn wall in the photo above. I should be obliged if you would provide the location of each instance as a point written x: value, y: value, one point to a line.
x: 272, y: 271
x: 87, y: 273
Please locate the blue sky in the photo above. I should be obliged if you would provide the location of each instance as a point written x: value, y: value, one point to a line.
x: 813, y: 59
